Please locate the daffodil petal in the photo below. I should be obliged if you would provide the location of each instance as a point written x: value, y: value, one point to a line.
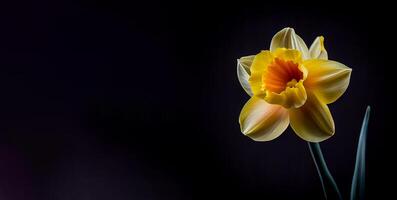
x: 317, y: 49
x: 259, y: 64
x: 287, y: 38
x: 313, y: 121
x: 243, y: 72
x: 262, y: 121
x: 327, y: 79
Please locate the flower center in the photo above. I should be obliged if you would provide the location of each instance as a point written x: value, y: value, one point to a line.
x: 281, y: 74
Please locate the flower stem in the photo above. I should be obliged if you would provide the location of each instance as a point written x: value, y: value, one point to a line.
x: 328, y: 183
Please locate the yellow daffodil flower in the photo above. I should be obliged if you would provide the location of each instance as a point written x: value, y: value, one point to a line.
x: 290, y: 84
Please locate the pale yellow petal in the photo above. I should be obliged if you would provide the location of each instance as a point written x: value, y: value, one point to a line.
x: 259, y: 64
x: 313, y: 121
x: 327, y: 79
x: 262, y: 121
x: 317, y: 49
x: 287, y: 38
x: 244, y: 72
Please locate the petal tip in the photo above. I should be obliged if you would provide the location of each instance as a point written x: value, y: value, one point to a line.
x: 288, y: 28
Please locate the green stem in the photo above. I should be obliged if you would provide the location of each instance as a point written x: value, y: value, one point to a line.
x: 328, y: 183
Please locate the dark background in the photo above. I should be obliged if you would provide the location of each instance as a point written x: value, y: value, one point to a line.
x: 140, y: 100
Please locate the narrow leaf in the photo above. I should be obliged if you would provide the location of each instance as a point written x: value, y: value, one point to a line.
x: 358, y: 182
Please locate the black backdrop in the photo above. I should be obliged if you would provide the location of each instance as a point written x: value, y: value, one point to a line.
x: 140, y: 100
